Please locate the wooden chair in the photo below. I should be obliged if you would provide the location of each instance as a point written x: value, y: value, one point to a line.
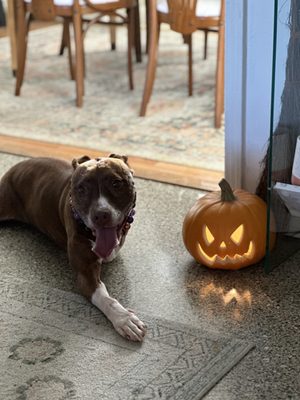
x: 185, y: 17
x: 72, y: 12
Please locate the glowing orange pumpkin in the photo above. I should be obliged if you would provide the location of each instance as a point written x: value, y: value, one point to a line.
x: 227, y: 229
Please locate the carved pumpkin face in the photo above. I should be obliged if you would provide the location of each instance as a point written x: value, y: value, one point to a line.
x: 226, y: 233
x: 231, y: 244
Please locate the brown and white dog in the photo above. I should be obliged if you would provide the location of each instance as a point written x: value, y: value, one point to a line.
x: 87, y: 208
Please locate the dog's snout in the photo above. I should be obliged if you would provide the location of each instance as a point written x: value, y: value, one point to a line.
x: 102, y: 217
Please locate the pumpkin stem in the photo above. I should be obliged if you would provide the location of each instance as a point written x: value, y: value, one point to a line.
x: 226, y: 191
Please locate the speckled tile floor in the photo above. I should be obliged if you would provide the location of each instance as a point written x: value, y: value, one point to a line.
x: 155, y: 275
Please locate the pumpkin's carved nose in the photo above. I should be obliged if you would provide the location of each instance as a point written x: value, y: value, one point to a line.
x: 223, y: 245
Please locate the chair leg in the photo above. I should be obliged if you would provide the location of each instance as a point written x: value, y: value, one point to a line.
x: 219, y: 91
x: 137, y: 34
x: 79, y: 62
x: 83, y: 52
x: 12, y: 34
x: 205, y: 44
x: 158, y: 32
x: 22, y: 38
x: 130, y: 28
x: 190, y: 62
x: 147, y: 4
x: 63, y: 43
x: 66, y: 42
x: 154, y: 29
x: 113, y: 33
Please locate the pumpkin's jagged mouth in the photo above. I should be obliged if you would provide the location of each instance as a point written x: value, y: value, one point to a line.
x: 227, y: 259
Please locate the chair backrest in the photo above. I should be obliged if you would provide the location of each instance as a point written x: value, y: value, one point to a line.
x: 182, y: 15
x: 43, y: 10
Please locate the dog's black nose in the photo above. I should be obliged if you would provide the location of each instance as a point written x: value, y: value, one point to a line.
x: 102, y: 217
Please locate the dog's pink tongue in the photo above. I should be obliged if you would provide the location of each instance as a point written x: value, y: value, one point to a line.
x: 106, y: 241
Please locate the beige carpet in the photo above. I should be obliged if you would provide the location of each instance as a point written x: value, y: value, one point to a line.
x: 177, y: 128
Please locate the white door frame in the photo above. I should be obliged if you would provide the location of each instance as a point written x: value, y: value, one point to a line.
x: 248, y: 73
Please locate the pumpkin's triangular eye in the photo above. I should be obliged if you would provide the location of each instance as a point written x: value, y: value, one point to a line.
x: 208, y: 236
x: 237, y: 235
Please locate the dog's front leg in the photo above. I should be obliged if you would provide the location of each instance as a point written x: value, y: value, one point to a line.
x: 87, y: 268
x: 126, y: 323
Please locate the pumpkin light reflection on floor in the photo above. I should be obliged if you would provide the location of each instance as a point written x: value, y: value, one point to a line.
x: 234, y: 298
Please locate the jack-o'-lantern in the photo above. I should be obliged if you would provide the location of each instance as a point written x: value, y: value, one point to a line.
x: 227, y: 229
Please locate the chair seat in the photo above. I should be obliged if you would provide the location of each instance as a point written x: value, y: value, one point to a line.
x: 204, y: 8
x: 68, y: 3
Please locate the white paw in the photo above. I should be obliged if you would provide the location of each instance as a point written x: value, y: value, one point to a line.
x: 127, y: 324
x: 124, y: 321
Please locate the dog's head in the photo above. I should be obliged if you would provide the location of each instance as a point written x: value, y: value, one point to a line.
x: 103, y: 195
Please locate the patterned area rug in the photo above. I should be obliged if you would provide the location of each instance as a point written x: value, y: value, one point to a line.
x: 56, y: 346
x: 177, y: 128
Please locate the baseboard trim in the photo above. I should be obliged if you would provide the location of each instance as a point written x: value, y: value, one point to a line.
x: 144, y: 168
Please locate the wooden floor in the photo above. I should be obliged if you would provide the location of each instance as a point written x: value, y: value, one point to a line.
x: 144, y: 168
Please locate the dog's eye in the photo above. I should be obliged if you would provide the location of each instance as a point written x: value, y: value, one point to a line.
x: 117, y: 183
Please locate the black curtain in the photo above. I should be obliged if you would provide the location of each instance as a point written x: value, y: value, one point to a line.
x: 288, y: 128
x: 2, y: 15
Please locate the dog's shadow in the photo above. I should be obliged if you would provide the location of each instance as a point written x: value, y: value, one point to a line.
x: 29, y: 255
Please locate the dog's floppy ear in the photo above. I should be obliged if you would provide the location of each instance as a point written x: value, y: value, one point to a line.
x: 123, y: 158
x: 80, y: 160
